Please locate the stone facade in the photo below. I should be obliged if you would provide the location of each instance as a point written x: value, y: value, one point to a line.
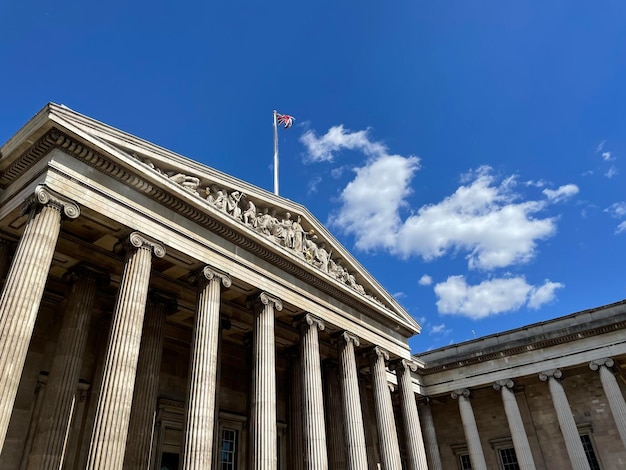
x: 156, y: 313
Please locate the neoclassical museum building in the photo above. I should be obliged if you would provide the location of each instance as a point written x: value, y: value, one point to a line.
x: 157, y: 314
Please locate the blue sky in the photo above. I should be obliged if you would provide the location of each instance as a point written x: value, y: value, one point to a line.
x: 470, y: 154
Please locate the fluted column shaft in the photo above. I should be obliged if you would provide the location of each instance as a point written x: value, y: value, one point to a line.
x: 200, y: 413
x: 356, y: 452
x: 23, y: 290
x: 296, y: 428
x: 574, y: 446
x: 142, y: 417
x: 316, y: 457
x: 263, y: 433
x: 388, y: 436
x: 110, y: 431
x: 56, y: 407
x: 416, y: 453
x: 5, y: 257
x: 613, y: 394
x: 430, y: 437
x: 471, y: 430
x: 516, y: 425
x: 332, y: 408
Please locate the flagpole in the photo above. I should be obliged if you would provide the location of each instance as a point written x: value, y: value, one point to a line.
x: 275, y: 156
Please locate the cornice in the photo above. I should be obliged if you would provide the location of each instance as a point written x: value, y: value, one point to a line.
x: 55, y: 138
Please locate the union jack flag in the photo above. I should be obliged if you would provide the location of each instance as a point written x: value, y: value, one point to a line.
x: 285, y: 120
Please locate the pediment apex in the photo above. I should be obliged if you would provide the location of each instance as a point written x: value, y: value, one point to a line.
x: 286, y: 227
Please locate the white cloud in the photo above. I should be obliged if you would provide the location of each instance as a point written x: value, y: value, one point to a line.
x: 600, y: 146
x: 617, y: 209
x: 621, y: 227
x: 483, y: 219
x: 399, y: 295
x: 323, y: 149
x: 440, y: 330
x: 613, y: 171
x: 425, y: 280
x: 606, y: 156
x: 312, y: 186
x: 562, y: 193
x: 491, y: 297
x: 543, y: 294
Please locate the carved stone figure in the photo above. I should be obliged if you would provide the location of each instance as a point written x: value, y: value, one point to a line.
x: 232, y: 204
x: 264, y: 222
x: 190, y: 183
x: 298, y: 236
x: 321, y: 257
x: 249, y: 214
x: 310, y: 248
x: 287, y: 225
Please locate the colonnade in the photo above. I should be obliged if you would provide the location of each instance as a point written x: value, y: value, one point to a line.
x: 128, y: 391
x: 567, y: 425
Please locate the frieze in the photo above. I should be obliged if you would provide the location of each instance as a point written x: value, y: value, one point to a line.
x: 281, y: 228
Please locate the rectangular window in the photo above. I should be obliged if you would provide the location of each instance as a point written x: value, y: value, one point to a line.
x: 466, y: 463
x: 508, y: 459
x: 589, y: 452
x: 228, y: 449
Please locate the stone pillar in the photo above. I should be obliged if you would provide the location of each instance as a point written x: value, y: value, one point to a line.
x: 332, y: 407
x: 143, y: 414
x: 516, y: 425
x: 64, y: 372
x: 567, y: 424
x: 416, y: 453
x: 430, y: 436
x: 263, y: 435
x: 23, y: 289
x: 471, y: 431
x: 356, y: 452
x: 613, y: 393
x: 110, y: 430
x: 295, y: 412
x: 200, y: 410
x: 388, y: 436
x: 315, y: 455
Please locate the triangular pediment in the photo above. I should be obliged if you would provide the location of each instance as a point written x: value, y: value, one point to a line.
x: 285, y: 228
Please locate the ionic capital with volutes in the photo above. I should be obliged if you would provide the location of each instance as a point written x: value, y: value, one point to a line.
x: 346, y: 337
x: 82, y: 271
x: 403, y: 365
x: 208, y: 274
x: 376, y: 353
x: 306, y: 321
x: 139, y: 241
x: 605, y: 361
x: 500, y: 384
x: 461, y: 392
x: 265, y: 299
x: 45, y: 196
x: 551, y: 373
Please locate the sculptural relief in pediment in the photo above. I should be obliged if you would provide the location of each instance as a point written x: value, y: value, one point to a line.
x: 283, y: 229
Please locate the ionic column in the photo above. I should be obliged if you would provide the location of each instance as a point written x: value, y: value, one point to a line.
x: 200, y: 412
x: 416, y: 453
x: 110, y: 430
x: 471, y: 431
x: 315, y: 456
x: 64, y: 372
x: 356, y: 452
x: 332, y: 407
x: 263, y: 410
x: 23, y: 289
x: 516, y: 425
x: 142, y: 417
x: 567, y: 424
x: 613, y: 393
x: 295, y: 412
x: 430, y: 436
x: 388, y: 436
